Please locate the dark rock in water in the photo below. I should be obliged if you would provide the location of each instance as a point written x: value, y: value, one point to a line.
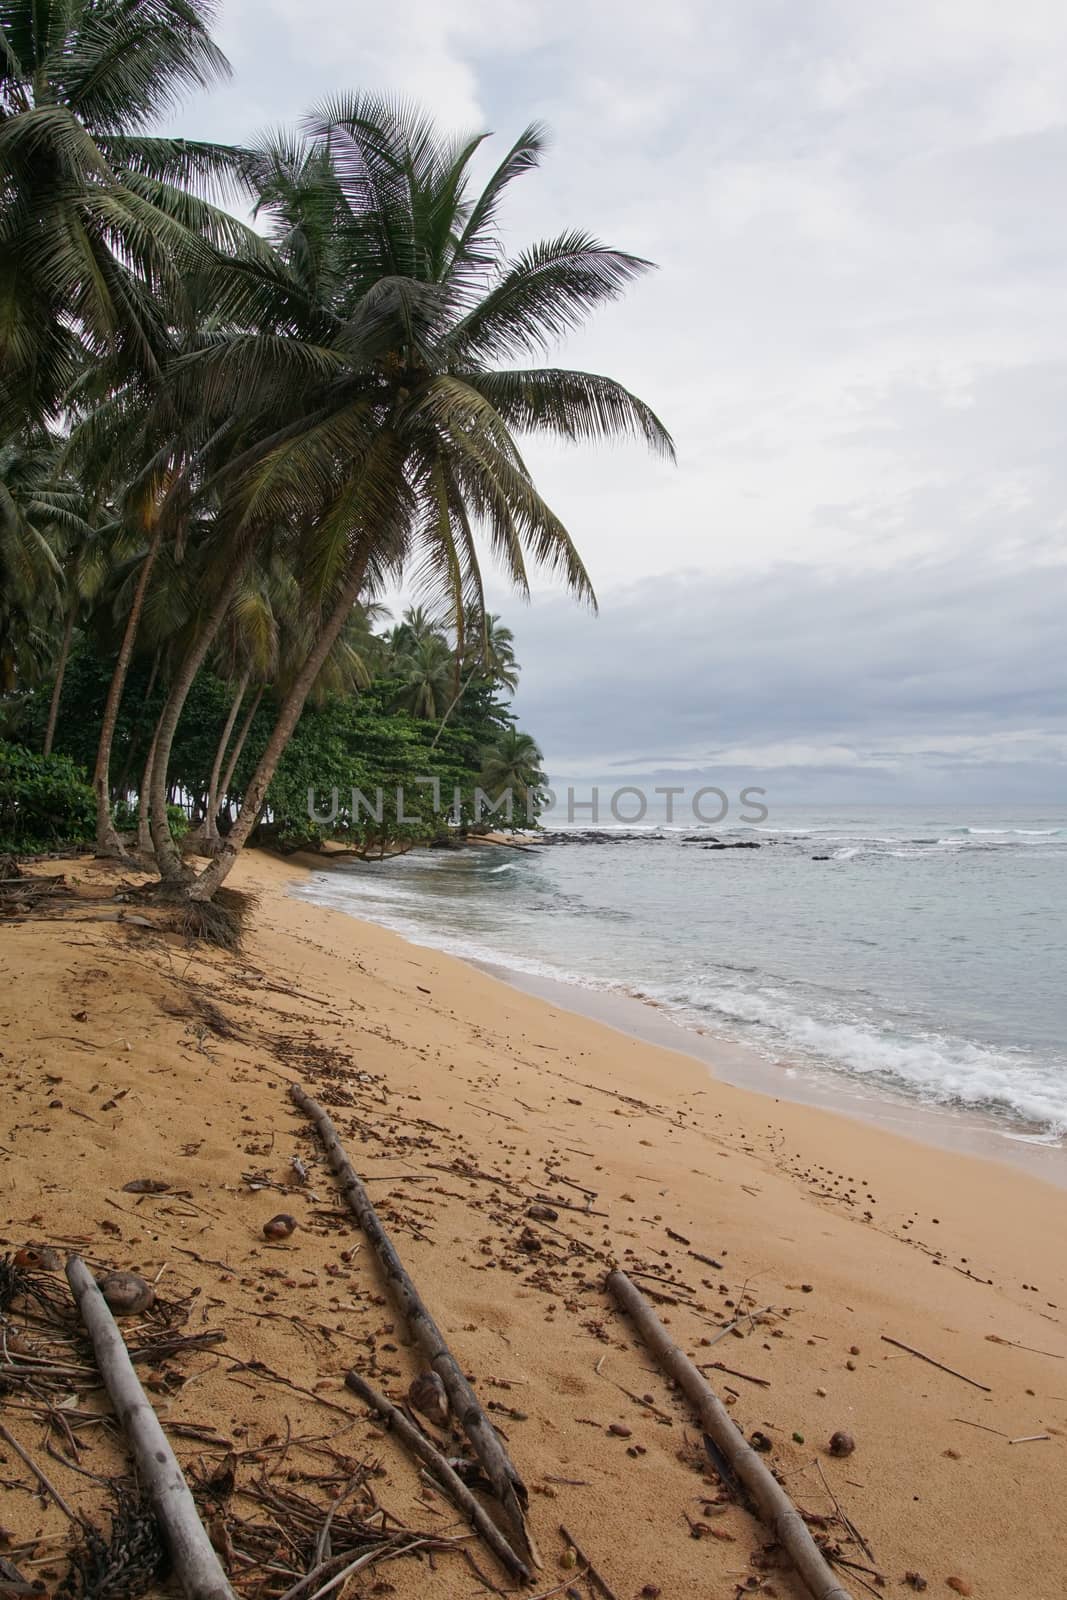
x: 820, y: 858
x: 597, y: 836
x: 445, y: 841
x: 699, y: 838
x: 738, y: 844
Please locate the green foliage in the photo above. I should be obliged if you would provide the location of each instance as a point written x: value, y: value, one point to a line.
x: 45, y: 802
x: 126, y: 813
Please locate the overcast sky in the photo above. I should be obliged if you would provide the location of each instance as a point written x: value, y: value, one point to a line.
x: 853, y: 581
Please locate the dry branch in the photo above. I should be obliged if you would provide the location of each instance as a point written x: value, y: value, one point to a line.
x: 197, y: 1566
x: 774, y: 1505
x: 457, y: 1491
x: 485, y: 1442
x: 940, y: 1365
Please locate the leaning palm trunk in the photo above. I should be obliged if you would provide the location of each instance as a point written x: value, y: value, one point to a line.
x: 57, y: 687
x: 288, y: 717
x: 108, y: 842
x: 168, y: 857
x: 144, y: 828
x: 239, y: 744
x: 207, y: 834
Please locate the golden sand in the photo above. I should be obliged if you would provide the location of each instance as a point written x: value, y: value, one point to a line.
x: 125, y: 1053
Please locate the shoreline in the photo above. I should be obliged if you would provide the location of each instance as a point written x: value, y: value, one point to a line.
x: 798, y: 1082
x: 462, y: 1100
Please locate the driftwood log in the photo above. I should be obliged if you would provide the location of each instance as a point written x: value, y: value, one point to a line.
x: 394, y: 1419
x: 484, y: 1439
x: 771, y: 1500
x: 196, y: 1564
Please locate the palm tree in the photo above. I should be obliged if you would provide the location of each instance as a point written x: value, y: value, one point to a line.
x: 399, y: 439
x: 423, y: 673
x: 40, y: 514
x: 86, y: 562
x: 100, y: 231
x: 104, y: 239
x: 513, y: 764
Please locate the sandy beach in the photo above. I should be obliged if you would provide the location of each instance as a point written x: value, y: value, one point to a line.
x: 126, y: 1053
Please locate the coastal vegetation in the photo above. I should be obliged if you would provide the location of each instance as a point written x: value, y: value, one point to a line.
x: 246, y: 392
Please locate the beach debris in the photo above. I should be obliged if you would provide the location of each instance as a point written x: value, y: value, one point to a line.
x: 486, y: 1443
x: 761, y: 1442
x: 145, y: 1186
x: 620, y: 1430
x: 590, y: 1572
x: 916, y: 1581
x: 427, y: 1394
x: 770, y: 1499
x: 282, y: 1226
x: 546, y: 1213
x: 995, y: 1338
x: 444, y: 1473
x: 37, y: 1258
x: 126, y: 1294
x: 939, y: 1364
x: 194, y: 1558
x: 1030, y: 1438
x: 960, y: 1585
x: 299, y: 1170
x: 841, y: 1443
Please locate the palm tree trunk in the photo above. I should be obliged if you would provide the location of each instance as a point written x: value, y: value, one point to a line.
x: 289, y: 715
x: 124, y: 775
x: 168, y: 857
x: 208, y: 833
x: 108, y: 842
x: 57, y: 687
x: 144, y: 830
x: 242, y: 736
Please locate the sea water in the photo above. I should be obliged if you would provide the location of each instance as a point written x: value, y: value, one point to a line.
x: 920, y: 951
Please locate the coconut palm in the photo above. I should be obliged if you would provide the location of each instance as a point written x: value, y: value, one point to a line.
x: 40, y: 516
x: 100, y: 229
x: 398, y: 445
x: 423, y: 673
x: 513, y: 765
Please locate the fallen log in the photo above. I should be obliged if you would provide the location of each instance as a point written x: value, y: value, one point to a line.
x: 771, y: 1500
x: 508, y: 1486
x: 196, y: 1564
x: 451, y: 1483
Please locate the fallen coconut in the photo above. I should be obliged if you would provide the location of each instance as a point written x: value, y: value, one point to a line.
x: 126, y: 1293
x: 279, y: 1227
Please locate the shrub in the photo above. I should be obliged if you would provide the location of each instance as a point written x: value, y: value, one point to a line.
x: 45, y: 802
x: 126, y: 813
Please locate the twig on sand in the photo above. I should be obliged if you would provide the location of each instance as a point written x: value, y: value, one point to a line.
x: 508, y: 1486
x: 590, y: 1571
x: 774, y: 1505
x: 969, y: 1424
x: 457, y: 1491
x: 45, y: 1483
x: 939, y: 1364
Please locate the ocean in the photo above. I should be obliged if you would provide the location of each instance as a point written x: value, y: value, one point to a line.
x: 918, y: 952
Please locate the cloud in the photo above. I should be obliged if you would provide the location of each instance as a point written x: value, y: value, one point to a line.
x: 856, y: 336
x: 919, y: 678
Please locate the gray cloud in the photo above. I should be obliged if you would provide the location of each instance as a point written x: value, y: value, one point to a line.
x: 915, y: 680
x: 856, y: 336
